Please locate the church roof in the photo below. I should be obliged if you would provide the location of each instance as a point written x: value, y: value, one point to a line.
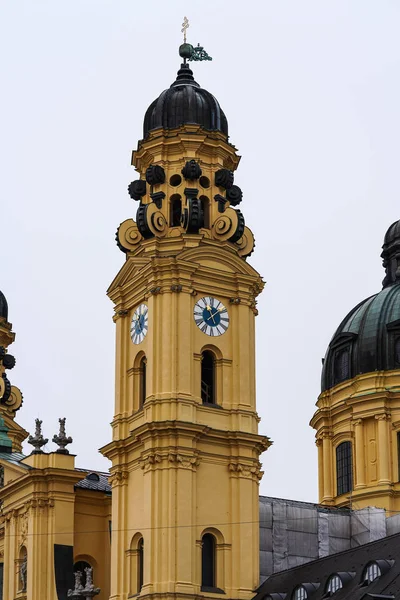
x: 96, y: 481
x: 368, y: 338
x: 182, y: 103
x: 350, y: 566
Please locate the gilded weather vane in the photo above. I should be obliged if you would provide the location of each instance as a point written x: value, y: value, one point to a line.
x: 187, y: 51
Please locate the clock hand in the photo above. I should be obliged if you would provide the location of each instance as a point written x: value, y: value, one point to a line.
x: 208, y: 307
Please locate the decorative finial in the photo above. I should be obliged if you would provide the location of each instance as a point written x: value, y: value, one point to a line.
x: 185, y: 25
x: 37, y: 441
x: 61, y: 439
x: 187, y: 52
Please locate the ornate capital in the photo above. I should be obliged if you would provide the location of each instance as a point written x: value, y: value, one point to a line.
x: 247, y: 471
x: 118, y: 477
x: 383, y: 417
x: 175, y: 459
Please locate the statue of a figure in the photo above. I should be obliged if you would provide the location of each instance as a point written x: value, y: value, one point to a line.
x: 77, y: 591
x: 78, y: 581
x: 89, y: 578
x: 89, y: 591
x: 23, y: 572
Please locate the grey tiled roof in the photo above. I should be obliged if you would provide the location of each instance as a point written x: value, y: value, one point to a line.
x: 14, y: 458
x: 101, y: 485
x: 352, y: 562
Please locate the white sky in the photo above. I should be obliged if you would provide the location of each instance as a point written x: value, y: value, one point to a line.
x: 311, y: 92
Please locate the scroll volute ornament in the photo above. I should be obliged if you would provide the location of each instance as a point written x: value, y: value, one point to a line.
x: 151, y: 221
x: 229, y: 226
x: 246, y: 243
x: 14, y: 401
x: 128, y: 236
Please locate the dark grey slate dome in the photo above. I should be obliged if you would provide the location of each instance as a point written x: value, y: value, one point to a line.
x: 3, y: 306
x: 368, y: 339
x: 185, y: 102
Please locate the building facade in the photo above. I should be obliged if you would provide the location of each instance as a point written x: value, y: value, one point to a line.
x: 178, y: 515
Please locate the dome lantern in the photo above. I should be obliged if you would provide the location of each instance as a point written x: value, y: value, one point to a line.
x: 185, y: 102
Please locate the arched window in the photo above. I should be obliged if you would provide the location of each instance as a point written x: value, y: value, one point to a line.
x: 208, y: 561
x: 341, y: 365
x: 23, y: 570
x: 334, y: 584
x: 140, y: 569
x: 136, y: 564
x: 205, y: 206
x: 375, y: 569
x: 372, y: 572
x: 176, y: 210
x: 344, y: 470
x: 81, y: 565
x: 208, y: 377
x: 300, y: 593
x: 142, y: 381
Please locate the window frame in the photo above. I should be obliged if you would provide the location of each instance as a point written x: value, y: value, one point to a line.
x: 212, y: 383
x: 208, y: 580
x: 345, y: 463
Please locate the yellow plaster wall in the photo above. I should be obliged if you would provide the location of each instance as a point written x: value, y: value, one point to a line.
x: 181, y: 468
x: 366, y: 412
x: 92, y: 543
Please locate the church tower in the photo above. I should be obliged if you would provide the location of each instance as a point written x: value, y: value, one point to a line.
x: 357, y: 421
x: 185, y: 447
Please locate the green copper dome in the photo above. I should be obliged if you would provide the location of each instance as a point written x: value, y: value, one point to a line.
x: 368, y: 339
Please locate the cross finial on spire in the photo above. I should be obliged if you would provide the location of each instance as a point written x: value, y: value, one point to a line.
x: 185, y: 25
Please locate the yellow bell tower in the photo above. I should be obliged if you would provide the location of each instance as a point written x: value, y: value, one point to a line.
x: 185, y: 448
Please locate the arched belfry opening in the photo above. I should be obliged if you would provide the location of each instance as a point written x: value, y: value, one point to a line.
x: 205, y: 207
x: 175, y: 210
x: 142, y: 381
x: 208, y: 379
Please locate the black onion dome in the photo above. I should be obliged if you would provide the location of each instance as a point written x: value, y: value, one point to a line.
x: 185, y: 102
x: 368, y: 339
x: 3, y: 306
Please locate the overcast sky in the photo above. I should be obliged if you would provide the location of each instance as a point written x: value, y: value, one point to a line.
x: 311, y: 92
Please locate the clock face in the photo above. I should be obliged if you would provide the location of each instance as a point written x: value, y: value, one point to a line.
x: 211, y: 316
x: 140, y: 324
